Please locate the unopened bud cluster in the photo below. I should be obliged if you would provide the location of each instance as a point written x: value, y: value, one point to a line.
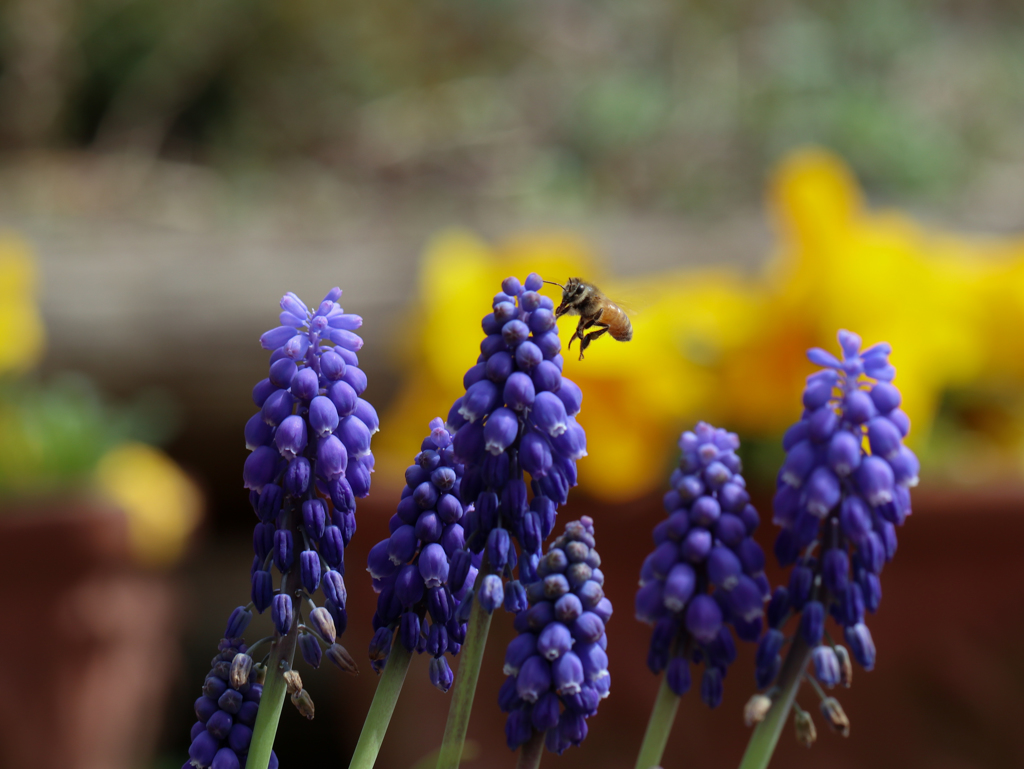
x: 421, y: 572
x: 226, y: 710
x: 557, y: 667
x: 517, y: 416
x: 706, y: 571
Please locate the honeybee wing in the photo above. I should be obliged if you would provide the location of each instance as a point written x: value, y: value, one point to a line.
x: 629, y: 305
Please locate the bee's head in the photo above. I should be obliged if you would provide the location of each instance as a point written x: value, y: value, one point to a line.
x: 574, y: 290
x: 573, y: 293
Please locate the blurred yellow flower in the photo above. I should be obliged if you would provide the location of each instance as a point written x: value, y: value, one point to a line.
x: 21, y: 328
x: 710, y: 345
x: 160, y: 501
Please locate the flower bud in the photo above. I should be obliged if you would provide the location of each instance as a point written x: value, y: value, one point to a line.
x: 835, y: 716
x: 309, y: 567
x: 309, y: 646
x: 323, y: 416
x: 230, y: 700
x: 322, y: 622
x: 812, y: 622
x: 826, y: 665
x: 534, y: 678
x: 549, y: 415
x: 498, y: 544
x: 238, y: 622
x: 281, y: 613
x: 304, y: 703
x: 441, y: 674
x: 875, y: 480
x: 845, y: 666
x: 515, y: 597
x: 262, y: 589
x: 409, y: 630
x: 756, y: 709
x: 862, y: 647
x: 240, y: 667
x: 339, y: 655
x: 703, y: 618
x: 554, y: 641
x: 492, y: 593
x: 409, y: 585
x: 711, y: 687
x: 806, y: 734
x: 203, y: 749
x: 283, y: 550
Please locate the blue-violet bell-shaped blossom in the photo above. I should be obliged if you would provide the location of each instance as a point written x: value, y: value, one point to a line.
x: 557, y: 666
x: 842, y: 491
x: 517, y: 418
x: 419, y: 590
x: 706, y: 572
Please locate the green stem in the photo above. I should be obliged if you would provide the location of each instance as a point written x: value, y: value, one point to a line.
x: 383, y: 705
x: 470, y: 656
x: 766, y: 734
x: 658, y: 727
x: 282, y: 653
x: 531, y: 752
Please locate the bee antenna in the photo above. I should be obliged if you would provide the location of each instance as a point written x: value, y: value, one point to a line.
x: 555, y: 284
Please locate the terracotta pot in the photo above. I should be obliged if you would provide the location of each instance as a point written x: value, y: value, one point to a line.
x: 88, y: 649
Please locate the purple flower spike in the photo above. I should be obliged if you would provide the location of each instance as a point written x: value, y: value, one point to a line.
x: 300, y: 467
x: 706, y: 572
x: 558, y: 662
x: 840, y: 529
x: 421, y: 570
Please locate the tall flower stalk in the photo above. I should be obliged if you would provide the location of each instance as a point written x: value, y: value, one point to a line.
x: 842, y: 491
x: 310, y: 460
x: 705, y: 573
x: 516, y: 419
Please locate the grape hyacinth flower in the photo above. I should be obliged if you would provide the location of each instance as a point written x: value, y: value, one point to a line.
x: 705, y: 573
x: 226, y: 710
x: 412, y: 569
x: 842, y: 491
x: 557, y: 667
x: 517, y: 418
x: 310, y: 459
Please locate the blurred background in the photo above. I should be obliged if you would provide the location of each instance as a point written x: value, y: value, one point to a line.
x: 747, y: 176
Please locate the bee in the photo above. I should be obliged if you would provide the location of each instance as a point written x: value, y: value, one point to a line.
x: 596, y: 311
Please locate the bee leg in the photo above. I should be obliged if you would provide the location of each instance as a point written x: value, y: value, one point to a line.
x: 582, y: 326
x: 586, y: 340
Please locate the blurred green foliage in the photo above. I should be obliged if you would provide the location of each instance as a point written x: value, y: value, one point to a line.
x: 53, y: 434
x: 657, y: 105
